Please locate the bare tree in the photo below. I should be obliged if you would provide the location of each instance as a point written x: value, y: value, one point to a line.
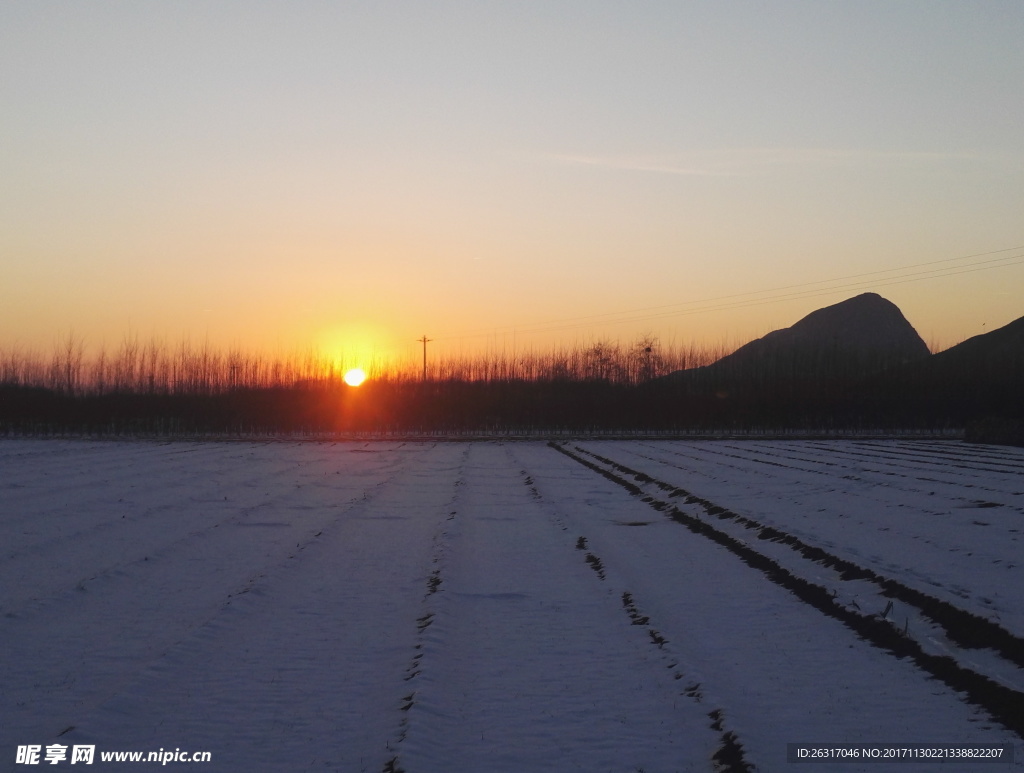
x: 68, y: 363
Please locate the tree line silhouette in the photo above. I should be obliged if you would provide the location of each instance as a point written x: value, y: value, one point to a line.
x: 153, y: 390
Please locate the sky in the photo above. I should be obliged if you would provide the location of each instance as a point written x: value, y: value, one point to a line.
x: 353, y: 176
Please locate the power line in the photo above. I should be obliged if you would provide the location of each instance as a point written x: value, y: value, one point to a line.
x: 815, y: 293
x: 589, y: 319
x: 862, y: 285
x: 774, y: 295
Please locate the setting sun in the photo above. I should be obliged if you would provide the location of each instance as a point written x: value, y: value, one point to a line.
x: 355, y: 377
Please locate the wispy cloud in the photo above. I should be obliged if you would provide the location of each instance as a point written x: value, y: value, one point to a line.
x: 677, y: 165
x: 737, y: 162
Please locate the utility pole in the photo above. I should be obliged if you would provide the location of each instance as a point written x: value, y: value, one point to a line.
x: 424, y: 341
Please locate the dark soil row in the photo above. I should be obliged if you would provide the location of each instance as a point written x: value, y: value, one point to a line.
x: 413, y: 670
x: 1004, y: 704
x: 729, y: 757
x: 963, y: 628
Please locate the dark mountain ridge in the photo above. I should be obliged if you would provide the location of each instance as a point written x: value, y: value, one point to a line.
x: 854, y: 338
x: 978, y: 383
x: 857, y: 365
x: 994, y: 351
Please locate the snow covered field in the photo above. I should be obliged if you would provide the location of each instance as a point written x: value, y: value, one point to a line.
x: 446, y: 607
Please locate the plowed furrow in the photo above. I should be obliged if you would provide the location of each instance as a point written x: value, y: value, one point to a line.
x: 1003, y: 703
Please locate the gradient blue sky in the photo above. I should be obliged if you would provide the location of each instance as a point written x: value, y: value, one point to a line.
x: 341, y: 174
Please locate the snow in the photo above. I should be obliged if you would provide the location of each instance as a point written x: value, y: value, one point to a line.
x: 491, y: 606
x: 951, y: 525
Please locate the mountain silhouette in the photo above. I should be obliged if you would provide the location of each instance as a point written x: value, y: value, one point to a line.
x: 979, y: 380
x: 996, y: 352
x: 855, y: 338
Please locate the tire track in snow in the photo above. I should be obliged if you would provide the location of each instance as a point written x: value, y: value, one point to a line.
x: 303, y: 671
x: 963, y: 628
x: 439, y: 548
x: 75, y: 469
x: 525, y: 664
x: 909, y: 459
x: 79, y: 663
x: 749, y: 455
x: 729, y: 757
x: 1003, y: 703
x: 946, y: 458
x: 902, y: 462
x: 161, y: 532
x: 868, y: 538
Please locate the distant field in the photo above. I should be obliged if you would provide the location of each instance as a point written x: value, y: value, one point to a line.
x: 624, y: 605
